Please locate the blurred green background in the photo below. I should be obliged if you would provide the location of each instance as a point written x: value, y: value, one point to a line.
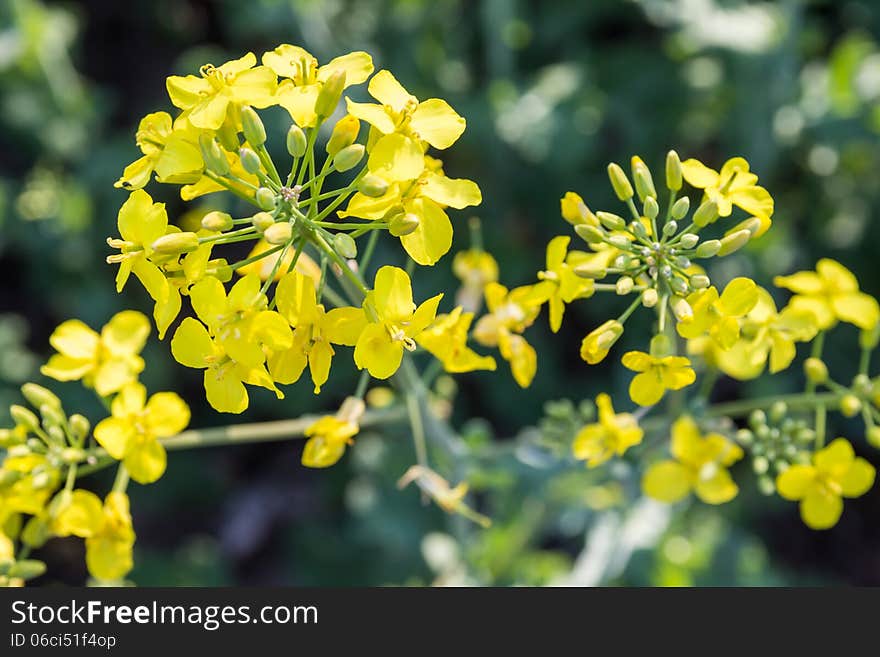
x: 552, y: 91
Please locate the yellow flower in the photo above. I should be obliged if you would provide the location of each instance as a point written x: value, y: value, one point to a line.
x: 831, y: 293
x: 315, y: 331
x: 109, y: 549
x: 35, y: 479
x: 394, y: 323
x: 330, y: 434
x: 700, y: 466
x: 446, y: 339
x: 169, y: 149
x: 656, y: 376
x: 559, y: 284
x: 475, y: 269
x: 76, y: 513
x: 264, y: 267
x: 426, y: 200
x: 132, y: 433
x: 404, y: 124
x: 613, y: 434
x: 208, y: 98
x: 299, y: 92
x: 598, y: 342
x: 733, y: 185
x: 105, y: 362
x: 575, y: 211
x: 835, y: 472
x: 719, y: 315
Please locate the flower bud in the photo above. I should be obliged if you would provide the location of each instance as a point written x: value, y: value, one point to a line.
x: 176, y: 243
x: 345, y: 245
x: 670, y: 228
x: 734, y: 242
x: 760, y: 465
x: 575, y: 211
x: 38, y: 396
x: 53, y: 416
x: 680, y: 208
x: 650, y: 297
x: 874, y: 436
x: 72, y: 455
x: 650, y: 208
x: 752, y: 225
x: 757, y: 420
x: 673, y: 171
x: 708, y: 249
x: 262, y: 221
x: 699, y: 281
x: 706, y: 214
x: 250, y: 161
x: 611, y: 221
x: 296, y: 141
x: 372, y: 185
x: 624, y: 285
x: 745, y: 437
x: 24, y: 417
x: 348, y: 157
x: 278, y: 233
x: 778, y: 411
x: 660, y: 346
x: 619, y: 242
x: 766, y: 485
x: 36, y: 532
x: 213, y: 157
x: 227, y: 135
x: 403, y: 224
x: 863, y: 385
x: 642, y: 177
x: 619, y: 182
x: 252, y: 126
x: 589, y: 233
x: 345, y: 132
x: 598, y: 342
x: 26, y: 569
x: 265, y: 198
x: 79, y: 426
x: 689, y: 240
x: 682, y: 310
x: 638, y: 229
x: 217, y: 221
x: 331, y: 92
x: 679, y: 285
x: 590, y: 270
x: 850, y: 405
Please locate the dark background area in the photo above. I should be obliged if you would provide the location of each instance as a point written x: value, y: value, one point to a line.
x: 552, y: 91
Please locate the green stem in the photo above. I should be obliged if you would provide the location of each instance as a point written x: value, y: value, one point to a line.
x: 121, y: 482
x: 368, y: 252
x: 799, y: 401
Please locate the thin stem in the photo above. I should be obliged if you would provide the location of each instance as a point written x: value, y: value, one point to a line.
x: 363, y: 382
x: 821, y: 416
x: 121, y: 481
x: 794, y: 401
x: 418, y: 430
x: 368, y: 252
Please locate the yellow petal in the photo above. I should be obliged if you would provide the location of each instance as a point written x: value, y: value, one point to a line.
x: 287, y: 366
x: 858, y: 479
x: 81, y: 514
x: 211, y: 112
x: 522, y: 357
x: 667, y: 481
x: 754, y: 200
x: 739, y: 297
x: 299, y: 101
x: 191, y: 345
x: 456, y: 193
x: 377, y: 352
x: 637, y: 361
x: 857, y: 308
x: 432, y: 239
x: 146, y: 462
x: 836, y: 277
x: 646, y: 388
x: 396, y: 157
x: 821, y: 509
x: 344, y: 325
x: 64, y: 368
x: 371, y: 113
x: 225, y: 391
x: 208, y: 299
x: 322, y: 453
x: 698, y: 174
x: 385, y: 88
x: 803, y: 282
x: 109, y: 558
x: 437, y: 123
x: 796, y: 481
x: 320, y: 359
x: 126, y: 332
x: 392, y: 294
x: 114, y: 435
x: 357, y: 66
x: 718, y: 489
x: 167, y: 414
x: 686, y: 439
x: 296, y: 299
x: 75, y: 340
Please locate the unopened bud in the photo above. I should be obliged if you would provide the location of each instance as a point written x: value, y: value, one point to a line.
x: 250, y: 161
x: 296, y: 141
x: 252, y: 126
x: 863, y: 385
x: 870, y: 338
x: 372, y: 185
x: 624, y: 285
x: 217, y: 221
x: 176, y: 243
x: 24, y: 417
x: 874, y: 436
x: 331, y: 92
x: 79, y: 426
x: 213, y: 157
x: 265, y: 198
x: 27, y: 569
x: 661, y: 346
x: 590, y: 270
x: 619, y: 242
x: 39, y: 396
x: 734, y: 242
x: 642, y: 177
x: 611, y: 221
x: 345, y: 245
x: 348, y: 157
x: 650, y: 297
x: 708, y: 249
x: 227, y: 135
x: 345, y: 132
x: 673, y: 171
x: 670, y: 228
x: 52, y: 415
x: 589, y: 233
x: 73, y: 455
x: 689, y: 240
x: 262, y: 221
x: 278, y: 233
x: 815, y: 370
x: 403, y: 224
x: 639, y: 229
x: 36, y: 532
x: 752, y: 225
x: 650, y: 208
x: 619, y: 182
x: 778, y: 411
x: 700, y: 281
x: 678, y: 285
x: 680, y: 208
x: 682, y: 310
x: 706, y: 214
x: 850, y: 405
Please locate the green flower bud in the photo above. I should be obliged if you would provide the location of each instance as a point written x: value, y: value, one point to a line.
x: 590, y: 234
x: 27, y: 569
x: 850, y: 405
x: 331, y: 92
x: 36, y: 532
x: 745, y: 437
x: 278, y: 233
x: 699, y: 281
x: 752, y: 225
x: 345, y: 245
x: 638, y: 229
x: 871, y: 338
x: 689, y: 240
x: 176, y: 243
x: 403, y: 224
x: 38, y: 396
x: 348, y: 157
x: 590, y: 270
x: 73, y: 455
x: 642, y: 177
x: 624, y: 285
x: 679, y: 285
x: 778, y: 411
x: 217, y: 221
x: 708, y: 249
x: 650, y: 208
x: 214, y: 158
x: 650, y: 297
x: 619, y: 182
x: 673, y: 171
x: 706, y: 214
x: 52, y: 415
x: 863, y: 385
x: 611, y: 221
x: 874, y: 436
x: 262, y: 220
x: 815, y: 370
x: 227, y: 135
x: 760, y: 465
x: 252, y: 126
x: 345, y: 132
x: 296, y: 141
x: 757, y: 420
x: 9, y: 438
x: 372, y: 185
x: 660, y: 346
x: 680, y: 208
x: 619, y: 242
x: 24, y: 417
x: 265, y: 198
x: 734, y: 242
x: 250, y: 161
x: 766, y: 485
x: 682, y: 310
x: 220, y: 270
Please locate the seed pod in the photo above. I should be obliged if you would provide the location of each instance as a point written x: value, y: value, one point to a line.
x: 252, y: 126
x: 278, y: 233
x: 642, y: 177
x: 673, y: 171
x: 265, y: 198
x: 296, y: 141
x: 217, y: 221
x: 176, y: 243
x: 734, y: 242
x: 214, y: 158
x: 38, y: 396
x: 262, y: 221
x: 348, y: 157
x: 403, y: 224
x: 680, y: 208
x: 345, y: 245
x: 708, y: 249
x: 689, y: 240
x: 706, y: 214
x: 619, y: 182
x: 331, y: 92
x: 345, y: 132
x: 250, y: 161
x: 372, y: 185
